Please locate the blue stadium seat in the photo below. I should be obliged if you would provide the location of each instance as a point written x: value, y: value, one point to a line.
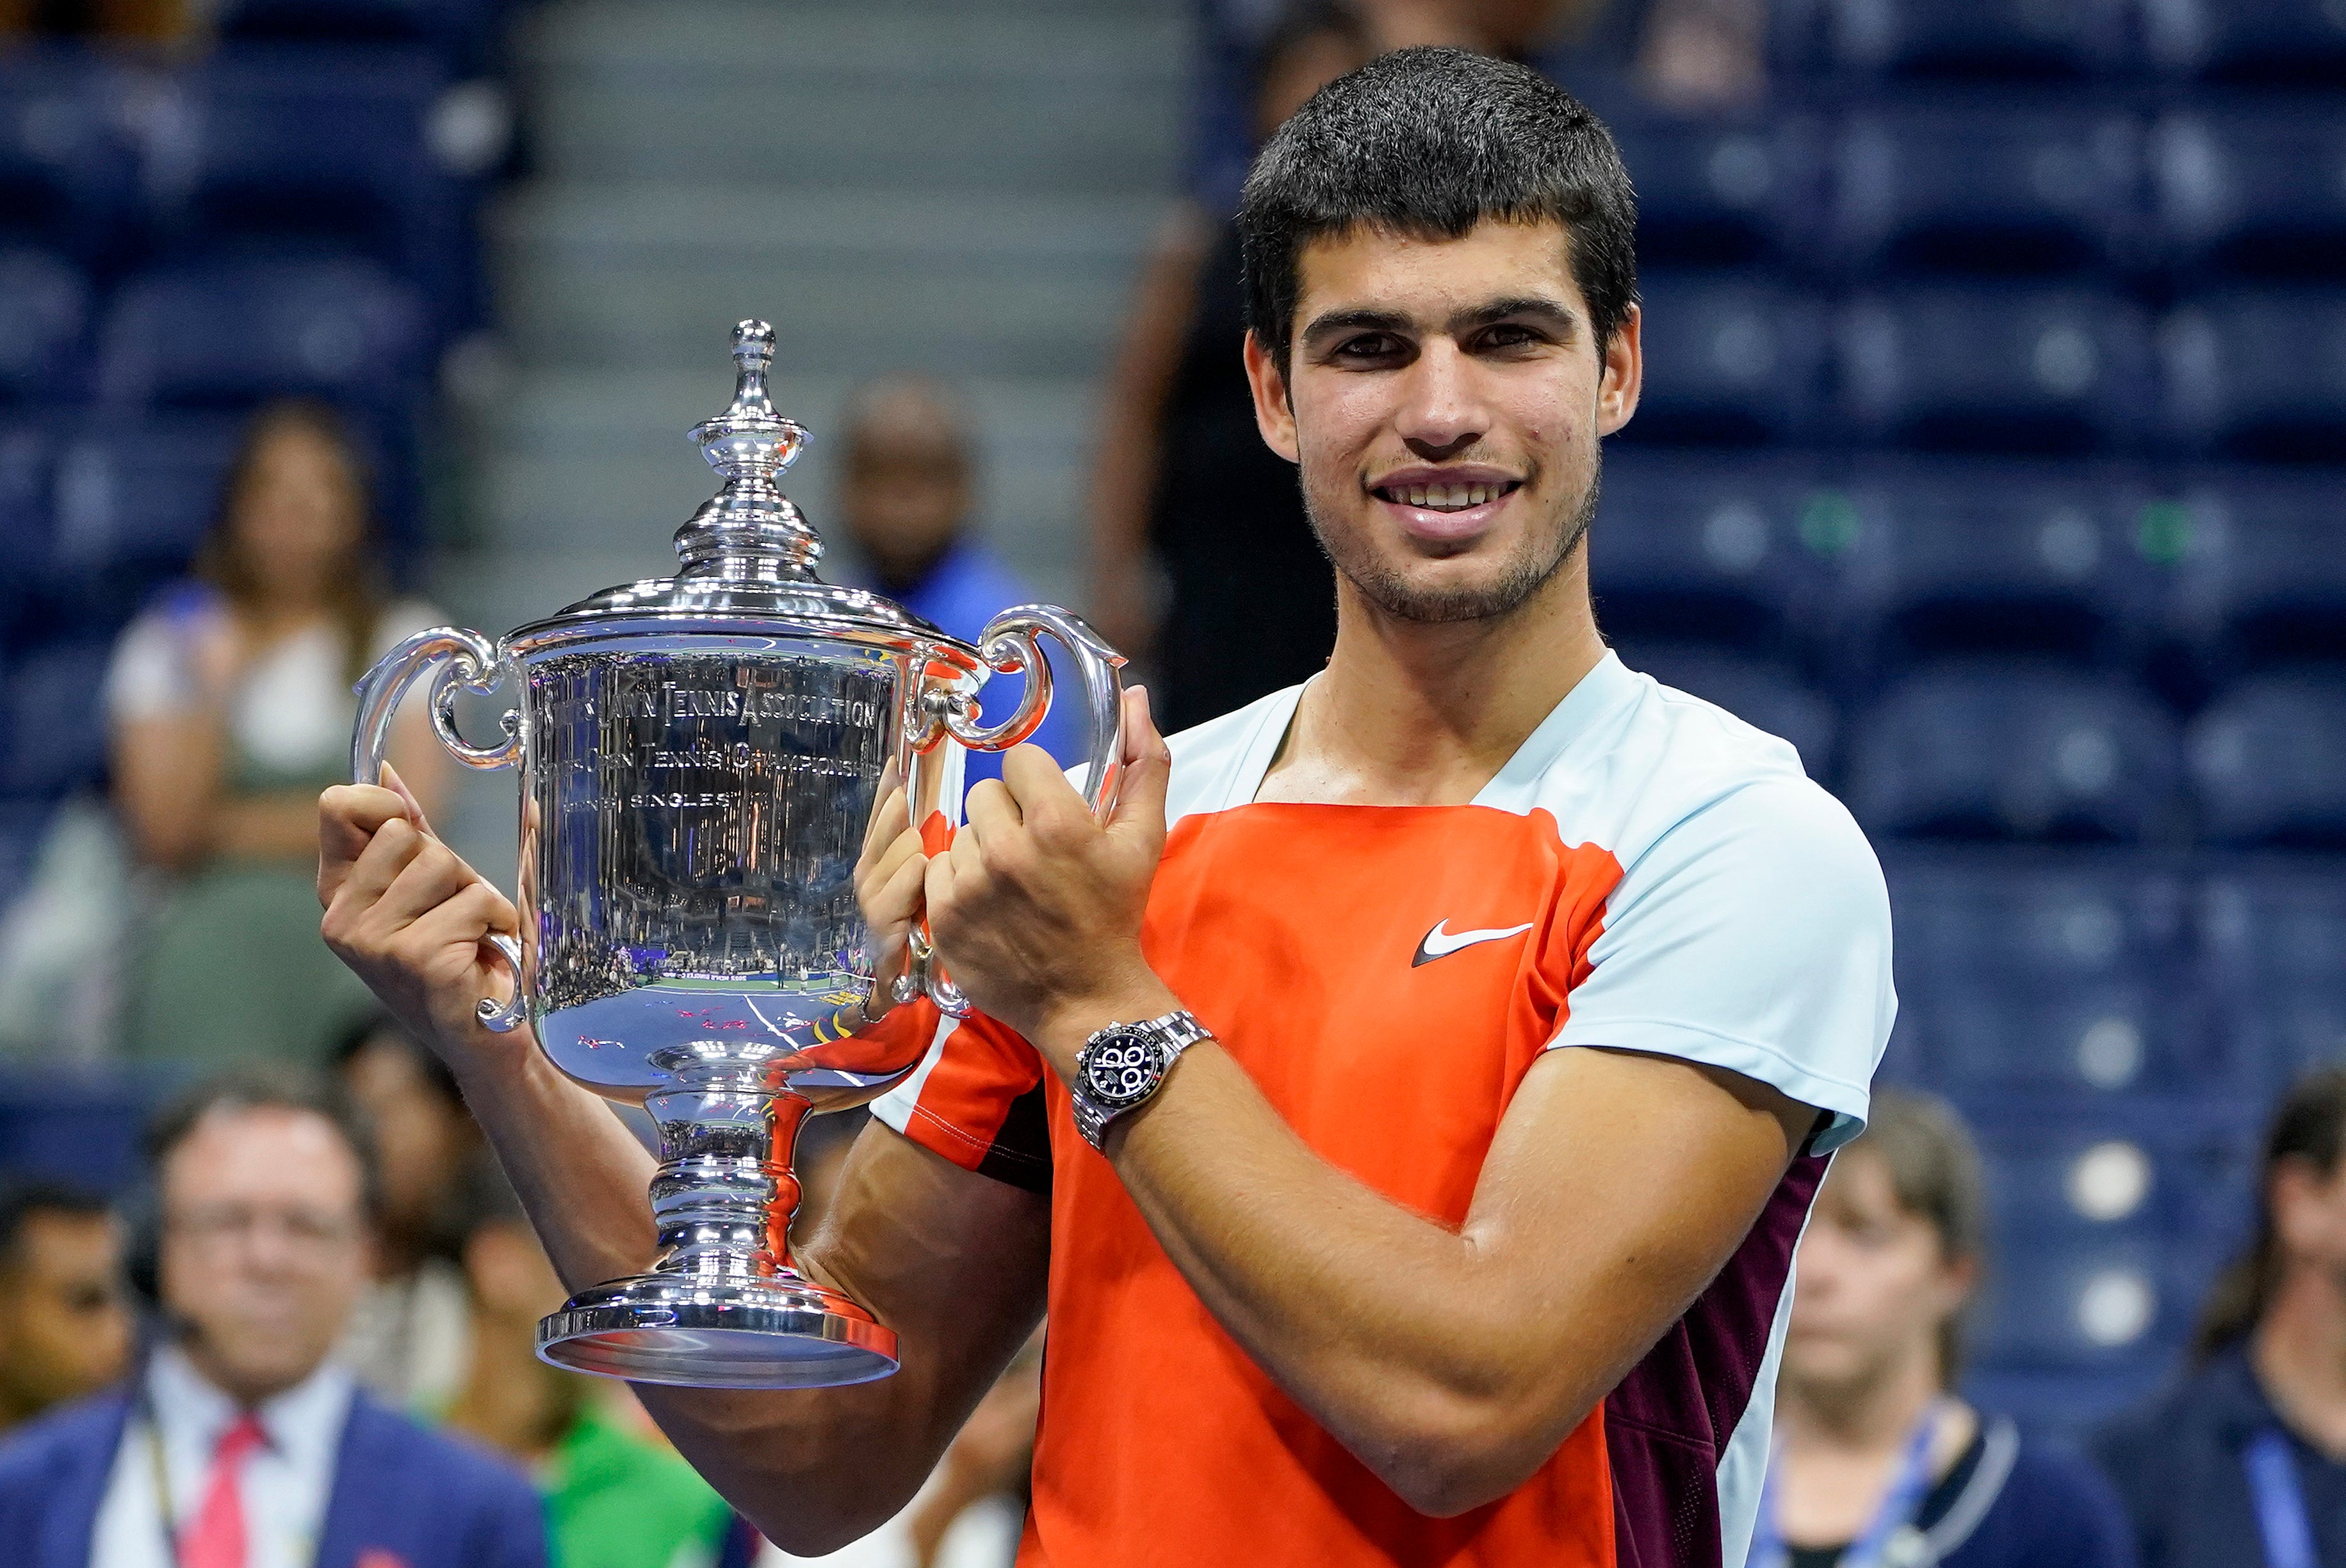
x: 2234, y: 187
x: 321, y: 148
x: 2299, y: 42
x: 43, y: 324
x: 1730, y: 359
x: 460, y: 32
x: 2257, y: 576
x: 28, y: 479
x: 1960, y: 38
x: 1997, y: 367
x: 52, y: 723
x: 2268, y: 763
x: 1764, y: 694
x: 2105, y: 1306
x: 1703, y: 548
x: 133, y: 503
x: 1986, y: 183
x: 2018, y: 750
x: 231, y: 334
x: 2258, y: 374
x: 1964, y: 556
x: 1716, y: 192
x: 68, y: 163
x: 2271, y: 937
x: 68, y: 1127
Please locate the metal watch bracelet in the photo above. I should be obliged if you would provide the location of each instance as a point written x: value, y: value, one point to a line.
x: 1170, y: 1034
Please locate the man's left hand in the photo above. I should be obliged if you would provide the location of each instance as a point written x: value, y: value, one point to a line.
x: 1037, y: 909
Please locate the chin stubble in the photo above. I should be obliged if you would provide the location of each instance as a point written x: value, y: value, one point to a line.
x: 1523, y: 575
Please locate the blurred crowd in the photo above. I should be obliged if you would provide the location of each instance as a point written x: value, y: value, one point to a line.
x: 311, y: 1322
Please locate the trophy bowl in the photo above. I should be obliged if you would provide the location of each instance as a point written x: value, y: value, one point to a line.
x: 700, y: 758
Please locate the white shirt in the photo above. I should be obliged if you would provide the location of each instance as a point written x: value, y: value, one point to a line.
x: 285, y: 1485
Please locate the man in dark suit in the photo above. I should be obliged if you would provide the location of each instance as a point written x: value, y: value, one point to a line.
x: 242, y: 1442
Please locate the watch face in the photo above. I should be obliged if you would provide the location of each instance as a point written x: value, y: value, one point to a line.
x: 1121, y: 1068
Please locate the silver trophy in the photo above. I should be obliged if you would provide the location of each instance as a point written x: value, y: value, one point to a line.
x: 701, y: 757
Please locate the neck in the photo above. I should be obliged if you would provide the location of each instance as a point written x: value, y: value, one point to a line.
x: 2300, y: 1355
x: 510, y: 1398
x: 1871, y: 1414
x: 1415, y: 713
x: 249, y: 1391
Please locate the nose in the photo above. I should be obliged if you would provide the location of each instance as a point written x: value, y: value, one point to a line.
x: 1442, y: 411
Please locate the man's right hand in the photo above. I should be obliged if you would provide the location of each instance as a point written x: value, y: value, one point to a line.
x: 410, y: 917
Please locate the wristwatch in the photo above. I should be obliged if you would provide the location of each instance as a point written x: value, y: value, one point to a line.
x: 1121, y: 1065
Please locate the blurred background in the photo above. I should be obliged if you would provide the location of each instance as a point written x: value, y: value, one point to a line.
x: 1991, y: 452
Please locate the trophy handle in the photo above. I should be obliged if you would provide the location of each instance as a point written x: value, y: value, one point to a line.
x: 1008, y: 645
x: 461, y: 660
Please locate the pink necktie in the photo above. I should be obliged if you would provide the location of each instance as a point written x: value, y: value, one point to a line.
x: 215, y: 1538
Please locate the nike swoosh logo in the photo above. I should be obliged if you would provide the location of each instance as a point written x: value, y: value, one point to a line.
x: 1440, y: 942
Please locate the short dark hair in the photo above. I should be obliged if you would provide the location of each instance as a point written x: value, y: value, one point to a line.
x: 1428, y: 142
x: 1936, y: 1175
x: 257, y: 1087
x: 24, y: 1199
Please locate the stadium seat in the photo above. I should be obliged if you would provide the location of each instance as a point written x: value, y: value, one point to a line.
x: 1767, y: 696
x: 2258, y: 374
x: 68, y: 164
x: 462, y: 32
x: 1730, y: 359
x: 231, y: 334
x: 1958, y: 39
x: 2257, y: 576
x: 1997, y: 367
x: 1985, y: 184
x: 133, y: 504
x: 2231, y: 192
x: 1958, y: 556
x: 52, y: 723
x: 2270, y: 939
x: 2104, y: 1306
x: 2268, y: 763
x: 2287, y: 42
x: 63, y: 1125
x: 1710, y: 549
x: 1712, y: 192
x: 321, y: 148
x: 2015, y: 750
x: 43, y: 326
x: 27, y: 480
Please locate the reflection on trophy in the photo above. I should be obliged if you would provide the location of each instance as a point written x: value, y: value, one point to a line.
x: 700, y: 758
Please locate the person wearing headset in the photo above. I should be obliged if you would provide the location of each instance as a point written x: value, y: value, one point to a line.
x: 239, y: 1443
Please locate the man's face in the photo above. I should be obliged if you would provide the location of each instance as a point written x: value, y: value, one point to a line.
x: 66, y: 1330
x: 1444, y: 399
x: 1874, y: 1285
x: 264, y: 1245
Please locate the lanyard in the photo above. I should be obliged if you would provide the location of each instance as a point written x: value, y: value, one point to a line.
x: 2280, y: 1501
x: 1872, y: 1549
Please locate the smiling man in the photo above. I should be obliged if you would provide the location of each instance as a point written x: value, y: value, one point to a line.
x: 1411, y: 1099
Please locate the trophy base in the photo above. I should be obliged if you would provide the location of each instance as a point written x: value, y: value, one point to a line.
x: 742, y: 1333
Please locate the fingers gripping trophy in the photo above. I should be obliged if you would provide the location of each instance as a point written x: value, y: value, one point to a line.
x: 701, y: 758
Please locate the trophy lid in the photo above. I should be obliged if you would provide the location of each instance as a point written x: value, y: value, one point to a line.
x: 748, y: 555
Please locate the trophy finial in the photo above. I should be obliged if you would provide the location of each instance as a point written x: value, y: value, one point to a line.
x: 750, y: 528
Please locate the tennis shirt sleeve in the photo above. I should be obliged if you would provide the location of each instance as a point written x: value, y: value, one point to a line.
x: 976, y: 1098
x: 1752, y: 934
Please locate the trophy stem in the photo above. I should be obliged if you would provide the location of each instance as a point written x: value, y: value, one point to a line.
x: 724, y: 1193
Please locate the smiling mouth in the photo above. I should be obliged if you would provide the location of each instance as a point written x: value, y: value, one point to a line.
x: 1446, y: 497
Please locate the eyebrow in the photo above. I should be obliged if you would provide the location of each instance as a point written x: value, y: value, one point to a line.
x: 1558, y: 315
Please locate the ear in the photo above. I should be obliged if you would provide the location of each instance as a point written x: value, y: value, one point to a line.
x: 2296, y: 1190
x: 1624, y: 372
x: 1274, y: 408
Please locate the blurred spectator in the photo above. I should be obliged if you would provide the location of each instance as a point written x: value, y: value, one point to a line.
x: 907, y: 490
x: 1183, y: 482
x: 1878, y: 1461
x: 65, y: 1328
x: 617, y: 1496
x: 231, y: 709
x: 239, y: 1441
x: 408, y: 1340
x: 2250, y: 1444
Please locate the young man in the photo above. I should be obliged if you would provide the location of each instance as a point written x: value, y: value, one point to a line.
x: 1515, y: 999
x: 1878, y: 1461
x: 67, y: 1329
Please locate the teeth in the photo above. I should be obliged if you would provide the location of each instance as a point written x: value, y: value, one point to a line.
x: 1446, y: 497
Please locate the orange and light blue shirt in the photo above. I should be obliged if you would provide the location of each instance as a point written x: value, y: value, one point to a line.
x: 1646, y: 874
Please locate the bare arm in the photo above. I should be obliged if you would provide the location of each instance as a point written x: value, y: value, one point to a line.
x: 1123, y: 474
x: 953, y: 1261
x: 1452, y: 1362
